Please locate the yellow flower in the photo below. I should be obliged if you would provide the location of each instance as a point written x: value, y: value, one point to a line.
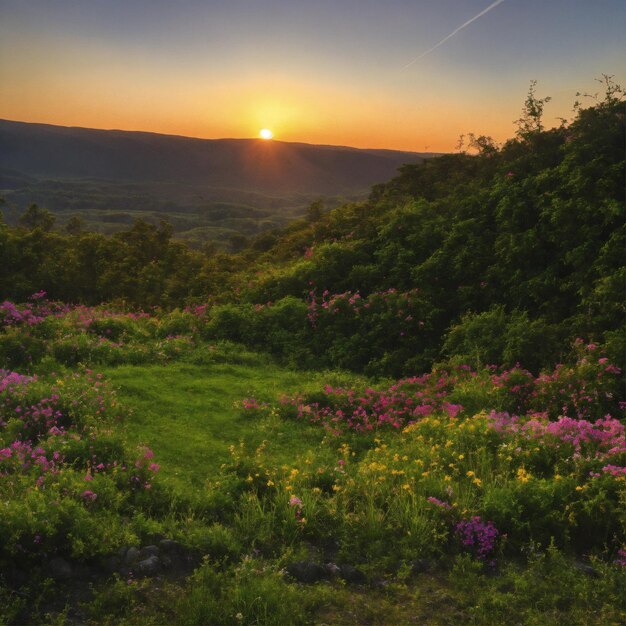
x: 461, y: 457
x: 470, y: 473
x: 270, y: 483
x: 406, y: 486
x: 523, y: 476
x: 579, y: 488
x: 446, y: 477
x: 477, y: 482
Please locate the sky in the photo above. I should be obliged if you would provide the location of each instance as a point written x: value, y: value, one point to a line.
x: 399, y: 74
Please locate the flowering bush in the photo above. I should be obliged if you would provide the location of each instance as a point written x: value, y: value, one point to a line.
x: 478, y: 536
x: 66, y: 478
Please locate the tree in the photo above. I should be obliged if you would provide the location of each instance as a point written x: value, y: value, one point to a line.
x: 37, y: 217
x: 314, y: 211
x: 532, y: 113
x: 75, y: 225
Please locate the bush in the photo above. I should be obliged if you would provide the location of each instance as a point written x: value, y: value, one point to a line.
x: 497, y: 337
x: 20, y: 349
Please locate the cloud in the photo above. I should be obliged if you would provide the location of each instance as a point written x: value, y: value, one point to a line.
x: 493, y: 5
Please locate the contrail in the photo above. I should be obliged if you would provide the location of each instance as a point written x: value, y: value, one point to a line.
x: 493, y: 5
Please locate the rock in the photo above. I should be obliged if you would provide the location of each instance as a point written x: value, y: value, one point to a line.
x: 587, y: 569
x: 149, y: 567
x: 132, y: 554
x: 60, y: 569
x: 112, y: 564
x: 307, y: 571
x: 148, y: 551
x: 169, y: 545
x: 351, y: 574
x: 333, y: 569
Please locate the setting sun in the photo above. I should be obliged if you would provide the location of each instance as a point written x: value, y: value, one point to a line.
x: 266, y: 133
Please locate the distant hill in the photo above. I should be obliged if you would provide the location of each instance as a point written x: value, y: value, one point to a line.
x: 208, y: 189
x: 270, y: 167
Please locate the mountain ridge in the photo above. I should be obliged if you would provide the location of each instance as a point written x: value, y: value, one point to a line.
x: 46, y: 150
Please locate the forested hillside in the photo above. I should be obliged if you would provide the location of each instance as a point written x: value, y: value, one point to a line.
x: 503, y: 255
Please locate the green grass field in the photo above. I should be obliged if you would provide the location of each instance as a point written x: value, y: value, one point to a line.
x: 189, y: 414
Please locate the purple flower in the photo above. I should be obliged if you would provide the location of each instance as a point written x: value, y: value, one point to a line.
x: 440, y: 503
x: 480, y: 537
x: 88, y: 495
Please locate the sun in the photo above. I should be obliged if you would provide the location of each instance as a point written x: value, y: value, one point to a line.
x: 266, y: 133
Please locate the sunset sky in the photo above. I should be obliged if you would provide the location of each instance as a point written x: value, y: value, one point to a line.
x: 348, y: 72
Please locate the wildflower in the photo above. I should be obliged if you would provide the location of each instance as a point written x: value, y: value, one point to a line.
x: 440, y: 503
x: 477, y: 535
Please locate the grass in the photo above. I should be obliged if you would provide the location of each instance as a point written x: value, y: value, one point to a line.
x: 188, y: 415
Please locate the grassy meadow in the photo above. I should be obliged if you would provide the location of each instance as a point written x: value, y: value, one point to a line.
x: 300, y: 496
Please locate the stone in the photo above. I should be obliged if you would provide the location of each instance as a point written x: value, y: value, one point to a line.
x: 587, y: 569
x: 149, y: 567
x: 147, y: 551
x: 307, y: 571
x: 333, y: 569
x: 169, y: 545
x: 132, y: 555
x: 351, y: 574
x: 112, y: 564
x: 60, y: 569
